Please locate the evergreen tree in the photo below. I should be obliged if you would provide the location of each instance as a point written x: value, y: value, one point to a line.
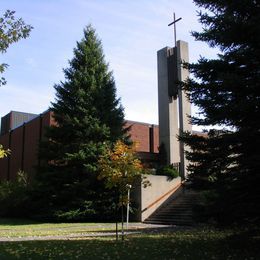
x: 88, y: 116
x: 227, y: 92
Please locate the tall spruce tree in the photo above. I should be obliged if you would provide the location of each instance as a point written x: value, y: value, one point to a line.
x: 227, y: 92
x: 88, y: 116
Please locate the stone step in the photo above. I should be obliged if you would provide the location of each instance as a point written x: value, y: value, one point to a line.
x: 188, y: 201
x: 172, y: 215
x: 170, y: 222
x: 181, y: 203
x: 172, y: 208
x: 177, y: 211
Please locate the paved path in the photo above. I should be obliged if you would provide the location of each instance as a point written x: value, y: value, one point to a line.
x: 134, y: 228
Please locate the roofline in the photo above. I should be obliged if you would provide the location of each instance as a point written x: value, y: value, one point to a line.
x: 142, y: 123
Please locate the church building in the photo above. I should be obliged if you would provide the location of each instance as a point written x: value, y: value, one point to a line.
x: 22, y: 132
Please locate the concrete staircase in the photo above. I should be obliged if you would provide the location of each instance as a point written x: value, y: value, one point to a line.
x: 176, y: 211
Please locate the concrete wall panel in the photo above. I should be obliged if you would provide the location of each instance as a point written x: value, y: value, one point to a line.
x: 156, y: 138
x: 161, y: 189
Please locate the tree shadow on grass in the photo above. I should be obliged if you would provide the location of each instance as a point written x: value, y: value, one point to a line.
x: 179, y: 245
x: 18, y: 221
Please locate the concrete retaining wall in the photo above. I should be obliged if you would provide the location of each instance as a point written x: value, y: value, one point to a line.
x: 148, y: 199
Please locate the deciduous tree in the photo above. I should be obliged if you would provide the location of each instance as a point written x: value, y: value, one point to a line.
x: 120, y: 169
x: 3, y: 153
x: 11, y: 30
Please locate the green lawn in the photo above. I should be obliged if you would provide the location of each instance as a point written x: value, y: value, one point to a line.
x: 25, y: 228
x: 197, y: 243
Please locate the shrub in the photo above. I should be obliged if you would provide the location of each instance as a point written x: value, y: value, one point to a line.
x: 14, y: 196
x: 168, y: 170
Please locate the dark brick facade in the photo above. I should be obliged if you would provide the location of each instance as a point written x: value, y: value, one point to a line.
x: 146, y: 136
x: 23, y: 143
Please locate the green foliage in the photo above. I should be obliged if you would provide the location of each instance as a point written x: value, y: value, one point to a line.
x: 74, y: 215
x: 3, y: 153
x: 162, y: 154
x: 88, y: 117
x: 163, y: 169
x: 14, y: 196
x: 11, y: 30
x: 120, y: 167
x: 226, y: 91
x: 168, y: 170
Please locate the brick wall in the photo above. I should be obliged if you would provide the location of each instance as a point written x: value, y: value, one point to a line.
x: 16, y: 152
x: 31, y: 141
x: 146, y: 135
x: 23, y: 143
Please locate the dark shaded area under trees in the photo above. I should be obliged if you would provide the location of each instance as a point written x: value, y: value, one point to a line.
x: 227, y: 92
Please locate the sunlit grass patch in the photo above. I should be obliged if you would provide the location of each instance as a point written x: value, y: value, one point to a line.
x: 23, y: 228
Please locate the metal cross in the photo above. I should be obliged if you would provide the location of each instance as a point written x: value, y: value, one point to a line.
x: 174, y: 23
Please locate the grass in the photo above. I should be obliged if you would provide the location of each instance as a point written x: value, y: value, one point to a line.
x: 197, y: 243
x: 23, y: 228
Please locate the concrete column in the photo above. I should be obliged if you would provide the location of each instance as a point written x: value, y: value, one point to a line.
x: 174, y: 108
x: 168, y: 110
x: 184, y: 103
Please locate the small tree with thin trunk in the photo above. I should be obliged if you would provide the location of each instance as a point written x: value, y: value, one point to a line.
x: 120, y: 168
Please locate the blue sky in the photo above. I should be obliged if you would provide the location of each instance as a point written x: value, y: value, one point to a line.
x: 131, y: 33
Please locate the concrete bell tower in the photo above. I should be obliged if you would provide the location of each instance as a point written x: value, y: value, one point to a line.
x: 174, y: 107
